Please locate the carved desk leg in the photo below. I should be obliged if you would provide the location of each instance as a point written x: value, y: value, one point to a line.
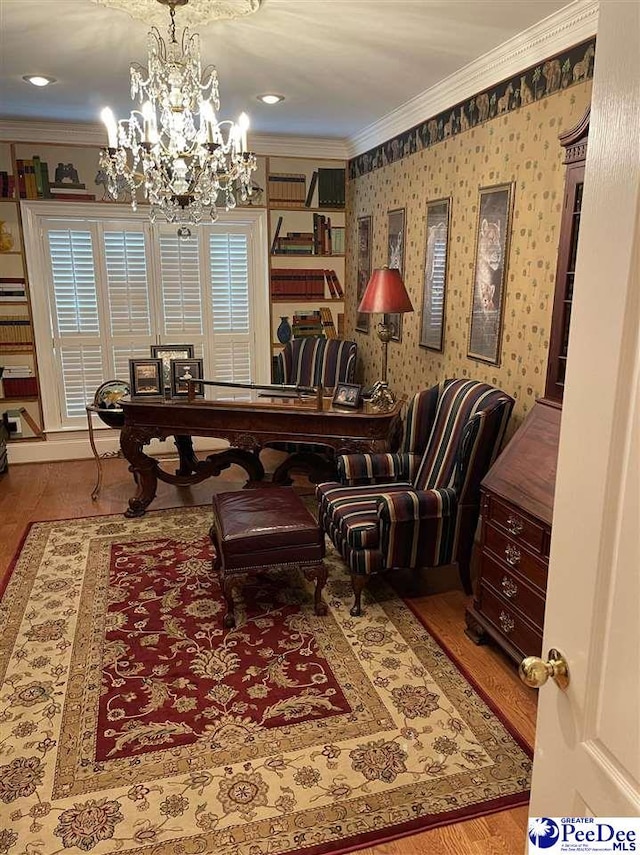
x: 188, y: 459
x: 143, y: 469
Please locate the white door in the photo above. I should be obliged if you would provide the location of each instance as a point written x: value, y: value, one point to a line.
x: 587, y: 759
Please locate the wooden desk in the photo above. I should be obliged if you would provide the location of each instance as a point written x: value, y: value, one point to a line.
x: 249, y: 423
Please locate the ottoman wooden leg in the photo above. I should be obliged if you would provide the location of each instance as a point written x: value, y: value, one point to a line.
x: 358, y: 580
x: 319, y: 573
x: 229, y: 618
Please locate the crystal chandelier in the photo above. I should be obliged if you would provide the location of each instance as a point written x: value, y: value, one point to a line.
x: 186, y: 161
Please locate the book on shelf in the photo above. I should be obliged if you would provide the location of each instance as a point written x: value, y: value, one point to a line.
x: 68, y: 185
x: 33, y: 178
x: 7, y: 185
x: 302, y: 283
x: 274, y: 242
x: 287, y: 189
x: 294, y: 243
x: 17, y: 371
x: 331, y: 188
x: 306, y: 324
x: 72, y: 196
x: 19, y: 387
x: 327, y: 322
x: 333, y: 276
x: 15, y: 329
x: 337, y: 240
x: 308, y: 202
x: 13, y: 289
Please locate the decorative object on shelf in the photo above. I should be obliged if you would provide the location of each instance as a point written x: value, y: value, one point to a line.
x: 167, y: 352
x: 66, y: 173
x: 184, y: 159
x: 364, y: 268
x: 284, y: 330
x: 395, y: 259
x: 6, y: 238
x: 183, y: 370
x: 435, y: 274
x: 146, y: 378
x: 385, y: 293
x: 492, y: 249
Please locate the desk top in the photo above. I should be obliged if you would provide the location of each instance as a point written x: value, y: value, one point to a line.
x: 256, y: 401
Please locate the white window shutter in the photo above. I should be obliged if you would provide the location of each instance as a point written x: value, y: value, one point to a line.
x: 82, y: 373
x: 229, y: 269
x: 181, y: 289
x: 74, y: 281
x: 128, y: 288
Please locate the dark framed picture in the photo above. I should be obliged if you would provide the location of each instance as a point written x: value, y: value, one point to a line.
x: 434, y: 288
x: 183, y: 370
x: 395, y: 258
x: 489, y: 275
x: 167, y: 352
x: 146, y: 378
x: 347, y: 395
x: 364, y: 268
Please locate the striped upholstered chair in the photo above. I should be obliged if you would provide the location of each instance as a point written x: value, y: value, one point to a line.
x: 313, y: 360
x: 419, y: 507
x: 308, y: 362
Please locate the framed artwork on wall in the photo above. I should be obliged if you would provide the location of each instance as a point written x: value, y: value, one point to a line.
x: 395, y: 258
x: 167, y: 352
x: 434, y: 288
x: 364, y: 268
x: 489, y: 275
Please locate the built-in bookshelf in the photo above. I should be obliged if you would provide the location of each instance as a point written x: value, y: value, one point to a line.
x: 306, y: 208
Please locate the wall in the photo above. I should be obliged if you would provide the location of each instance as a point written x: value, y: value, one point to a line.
x: 520, y: 146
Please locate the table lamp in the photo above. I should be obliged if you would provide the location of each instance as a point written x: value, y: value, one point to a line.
x: 385, y: 293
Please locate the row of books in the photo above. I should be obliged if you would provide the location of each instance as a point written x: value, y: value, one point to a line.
x: 305, y: 283
x: 13, y: 289
x: 18, y: 382
x: 325, y: 239
x: 15, y: 329
x: 290, y: 189
x: 7, y: 185
x: 318, y: 322
x: 34, y: 183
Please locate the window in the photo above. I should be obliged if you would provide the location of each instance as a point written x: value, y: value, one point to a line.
x: 115, y: 286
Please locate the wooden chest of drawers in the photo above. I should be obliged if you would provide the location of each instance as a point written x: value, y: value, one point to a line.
x: 517, y: 507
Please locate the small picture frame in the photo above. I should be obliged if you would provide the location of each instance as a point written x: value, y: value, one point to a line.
x: 167, y: 352
x: 183, y: 370
x: 146, y: 378
x: 347, y: 395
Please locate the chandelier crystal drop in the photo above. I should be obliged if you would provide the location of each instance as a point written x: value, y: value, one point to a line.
x: 187, y: 163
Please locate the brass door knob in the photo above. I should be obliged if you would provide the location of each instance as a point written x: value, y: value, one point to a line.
x: 535, y: 671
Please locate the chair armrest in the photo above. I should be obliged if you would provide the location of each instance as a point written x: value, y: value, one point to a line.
x: 417, y: 527
x: 356, y: 470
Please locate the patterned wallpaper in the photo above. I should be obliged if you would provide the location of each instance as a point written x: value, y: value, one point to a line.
x: 520, y: 146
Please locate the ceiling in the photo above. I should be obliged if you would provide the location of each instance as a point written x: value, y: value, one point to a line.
x: 342, y: 64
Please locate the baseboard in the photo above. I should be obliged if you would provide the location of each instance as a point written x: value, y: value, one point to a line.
x: 76, y: 447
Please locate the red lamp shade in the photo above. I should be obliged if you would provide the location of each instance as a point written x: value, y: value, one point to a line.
x: 385, y: 293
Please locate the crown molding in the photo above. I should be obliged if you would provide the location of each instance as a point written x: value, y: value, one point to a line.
x: 569, y: 26
x: 70, y: 133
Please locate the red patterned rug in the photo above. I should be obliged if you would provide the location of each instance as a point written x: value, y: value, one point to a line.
x: 130, y: 721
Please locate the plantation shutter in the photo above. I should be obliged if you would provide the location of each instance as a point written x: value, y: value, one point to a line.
x: 75, y: 317
x: 182, y: 304
x: 231, y: 320
x: 132, y: 329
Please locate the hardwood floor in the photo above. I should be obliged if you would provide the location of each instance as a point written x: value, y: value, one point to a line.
x: 62, y: 490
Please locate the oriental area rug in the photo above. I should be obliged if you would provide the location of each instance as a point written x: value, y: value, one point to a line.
x: 131, y: 722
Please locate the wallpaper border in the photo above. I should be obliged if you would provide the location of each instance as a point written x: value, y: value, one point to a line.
x: 561, y: 71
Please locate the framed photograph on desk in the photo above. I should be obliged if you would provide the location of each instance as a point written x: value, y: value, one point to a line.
x: 167, y: 352
x: 347, y: 395
x: 183, y: 370
x: 146, y: 378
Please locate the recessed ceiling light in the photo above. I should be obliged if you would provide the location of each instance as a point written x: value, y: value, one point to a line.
x: 269, y: 98
x: 38, y: 79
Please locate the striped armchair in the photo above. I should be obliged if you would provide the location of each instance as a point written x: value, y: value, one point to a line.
x: 313, y: 360
x: 308, y: 362
x: 418, y: 507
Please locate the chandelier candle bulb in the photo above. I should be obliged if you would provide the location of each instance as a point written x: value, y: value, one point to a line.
x: 112, y: 128
x: 243, y: 123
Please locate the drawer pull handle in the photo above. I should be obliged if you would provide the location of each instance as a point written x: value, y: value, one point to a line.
x: 507, y: 622
x: 514, y: 524
x: 512, y: 555
x: 509, y: 587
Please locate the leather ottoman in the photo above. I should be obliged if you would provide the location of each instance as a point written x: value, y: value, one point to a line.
x: 255, y: 530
